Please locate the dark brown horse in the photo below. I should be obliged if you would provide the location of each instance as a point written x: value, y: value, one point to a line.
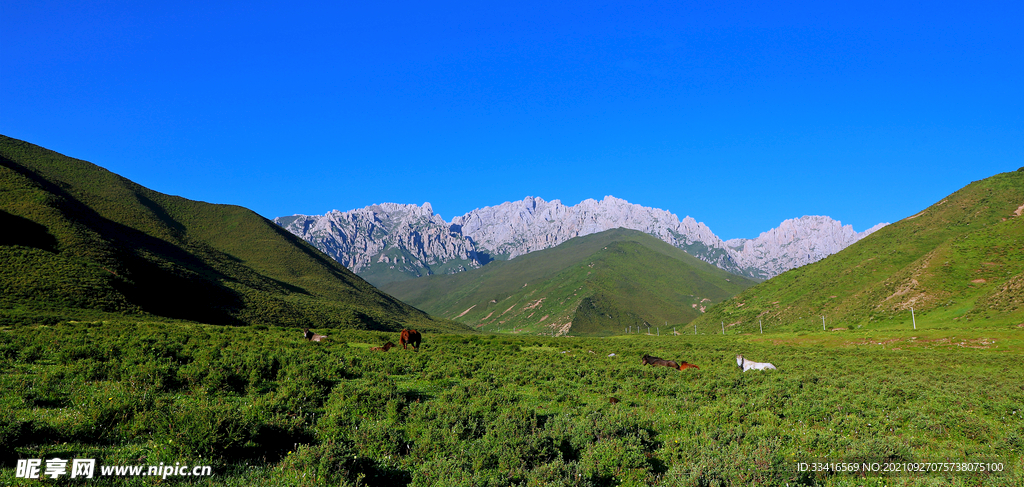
x: 313, y: 337
x: 649, y: 360
x: 387, y: 346
x: 410, y: 337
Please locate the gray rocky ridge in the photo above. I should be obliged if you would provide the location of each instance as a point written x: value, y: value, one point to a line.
x: 389, y: 241
x: 408, y: 238
x: 794, y: 243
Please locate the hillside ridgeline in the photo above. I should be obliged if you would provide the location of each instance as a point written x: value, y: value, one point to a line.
x: 79, y: 240
x: 959, y: 261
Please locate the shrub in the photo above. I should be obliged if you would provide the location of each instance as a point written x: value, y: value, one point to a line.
x: 202, y: 426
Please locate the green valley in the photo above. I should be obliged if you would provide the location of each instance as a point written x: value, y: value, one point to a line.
x: 139, y: 329
x: 608, y: 283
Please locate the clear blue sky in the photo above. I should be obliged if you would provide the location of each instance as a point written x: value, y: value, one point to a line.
x: 740, y: 116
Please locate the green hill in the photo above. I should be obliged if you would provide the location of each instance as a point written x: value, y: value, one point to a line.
x: 599, y: 284
x: 79, y: 241
x: 957, y: 263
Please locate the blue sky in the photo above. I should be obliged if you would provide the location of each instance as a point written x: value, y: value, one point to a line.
x: 739, y: 116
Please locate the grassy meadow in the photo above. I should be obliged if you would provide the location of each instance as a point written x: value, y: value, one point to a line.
x: 265, y: 407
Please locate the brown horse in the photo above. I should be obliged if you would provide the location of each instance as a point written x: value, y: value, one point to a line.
x: 649, y: 360
x: 313, y: 337
x: 387, y: 346
x: 410, y: 337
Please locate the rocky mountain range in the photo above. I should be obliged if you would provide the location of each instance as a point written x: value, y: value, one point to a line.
x: 391, y: 242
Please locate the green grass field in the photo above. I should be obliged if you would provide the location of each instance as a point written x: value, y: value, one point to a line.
x: 264, y: 407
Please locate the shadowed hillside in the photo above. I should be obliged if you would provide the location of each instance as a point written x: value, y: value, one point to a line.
x: 79, y: 239
x: 958, y: 261
x: 600, y: 284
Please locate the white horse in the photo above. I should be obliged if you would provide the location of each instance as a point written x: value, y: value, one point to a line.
x: 747, y: 365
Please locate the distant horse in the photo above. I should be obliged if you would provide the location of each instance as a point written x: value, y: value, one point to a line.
x: 410, y: 337
x: 313, y: 337
x: 387, y: 346
x: 748, y: 365
x: 649, y: 360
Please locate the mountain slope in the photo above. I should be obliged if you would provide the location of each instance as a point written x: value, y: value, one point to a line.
x: 599, y: 284
x: 960, y: 260
x: 80, y: 239
x: 391, y: 242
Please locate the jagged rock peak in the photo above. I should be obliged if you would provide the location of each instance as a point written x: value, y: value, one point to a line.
x: 519, y: 227
x: 390, y: 233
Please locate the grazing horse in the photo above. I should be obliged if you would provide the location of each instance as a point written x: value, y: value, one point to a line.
x: 387, y: 346
x: 649, y: 360
x: 410, y: 337
x: 313, y: 337
x: 748, y: 365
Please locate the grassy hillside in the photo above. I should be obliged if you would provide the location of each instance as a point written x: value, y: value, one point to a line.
x: 80, y: 240
x: 600, y: 284
x: 956, y: 263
